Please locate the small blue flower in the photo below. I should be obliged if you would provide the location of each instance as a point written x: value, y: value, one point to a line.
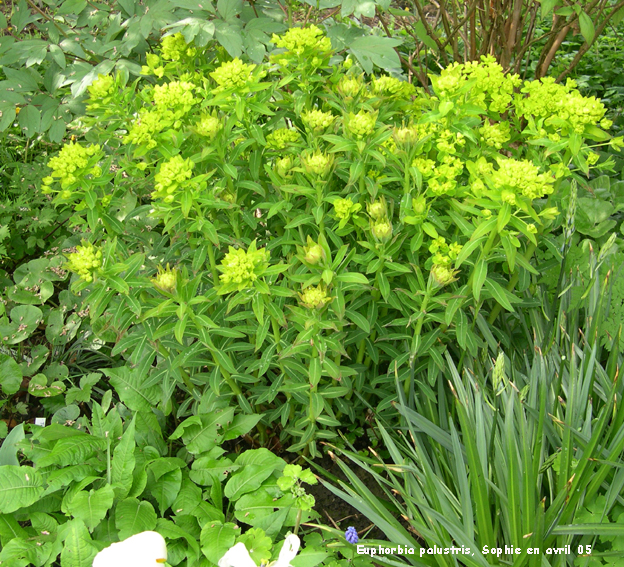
x: 351, y: 535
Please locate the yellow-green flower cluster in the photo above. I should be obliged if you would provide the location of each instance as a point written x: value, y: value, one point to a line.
x: 344, y: 208
x: 153, y: 66
x: 317, y: 163
x: 443, y: 275
x: 232, y: 75
x: 166, y: 279
x: 381, y: 229
x: 447, y: 142
x: 317, y: 120
x: 171, y: 175
x: 71, y: 160
x: 282, y: 137
x: 362, y: 124
x: 315, y: 297
x: 444, y: 179
x: 101, y: 87
x: 241, y: 267
x: 443, y: 253
x: 298, y: 41
x: 142, y: 131
x: 174, y: 47
x: 86, y: 260
x: 425, y: 166
x: 490, y: 87
x: 350, y: 86
x: 521, y: 177
x: 406, y: 135
x: 553, y: 101
x: 495, y: 135
x: 177, y: 95
x: 208, y: 126
x: 391, y: 87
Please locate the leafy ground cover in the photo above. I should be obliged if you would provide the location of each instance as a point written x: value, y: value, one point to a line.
x: 247, y: 241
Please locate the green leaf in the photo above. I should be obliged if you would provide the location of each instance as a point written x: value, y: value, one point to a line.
x: 588, y: 31
x: 8, y: 449
x: 73, y: 450
x: 248, y: 479
x: 30, y: 120
x: 240, y: 425
x: 352, y: 277
x: 124, y: 462
x: 19, y: 487
x: 133, y: 517
x: 478, y: 277
x: 10, y: 375
x: 359, y: 319
x: 201, y: 433
x: 78, y: 549
x: 216, y: 539
x: 372, y: 50
x: 91, y: 507
x: 500, y: 294
x: 229, y: 37
x: 128, y: 384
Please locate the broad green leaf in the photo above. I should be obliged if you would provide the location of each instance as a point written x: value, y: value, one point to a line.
x: 202, y: 433
x: 240, y: 425
x: 19, y: 487
x: 216, y: 539
x: 10, y: 375
x: 588, y: 31
x: 373, y: 50
x: 78, y: 549
x: 128, y: 384
x: 91, y: 507
x: 73, y: 450
x: 248, y: 479
x: 133, y: 517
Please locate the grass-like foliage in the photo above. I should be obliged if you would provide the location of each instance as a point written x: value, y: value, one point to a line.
x: 295, y: 236
x: 525, y: 453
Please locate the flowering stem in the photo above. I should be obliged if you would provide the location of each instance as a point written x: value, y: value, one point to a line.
x: 213, y: 266
x: 297, y: 522
x: 421, y: 320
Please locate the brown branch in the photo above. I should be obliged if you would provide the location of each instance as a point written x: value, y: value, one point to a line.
x: 429, y: 32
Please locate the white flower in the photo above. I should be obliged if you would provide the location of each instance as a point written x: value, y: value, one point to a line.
x: 147, y: 549
x: 238, y: 556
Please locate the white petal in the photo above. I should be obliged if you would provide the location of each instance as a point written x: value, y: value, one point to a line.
x: 237, y: 556
x: 147, y: 549
x: 289, y: 550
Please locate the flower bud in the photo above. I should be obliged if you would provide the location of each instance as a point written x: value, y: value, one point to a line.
x: 166, y: 279
x: 532, y: 228
x: 382, y: 230
x: 318, y: 163
x: 420, y: 207
x: 442, y: 275
x: 405, y: 136
x: 378, y: 210
x: 283, y: 166
x: 314, y: 252
x: 315, y: 297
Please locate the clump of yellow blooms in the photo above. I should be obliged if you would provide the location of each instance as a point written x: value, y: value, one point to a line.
x: 85, y: 261
x: 282, y: 137
x: 71, y: 162
x: 350, y: 86
x: 317, y: 163
x: 522, y: 177
x: 315, y: 297
x: 101, y: 88
x: 284, y: 166
x: 299, y: 40
x: 232, y: 75
x: 145, y: 127
x: 176, y: 95
x: 361, y: 125
x: 174, y: 47
x: 241, y: 267
x: 344, y: 208
x: 171, y: 175
x: 208, y: 126
x: 317, y: 120
x: 495, y: 135
x: 392, y: 87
